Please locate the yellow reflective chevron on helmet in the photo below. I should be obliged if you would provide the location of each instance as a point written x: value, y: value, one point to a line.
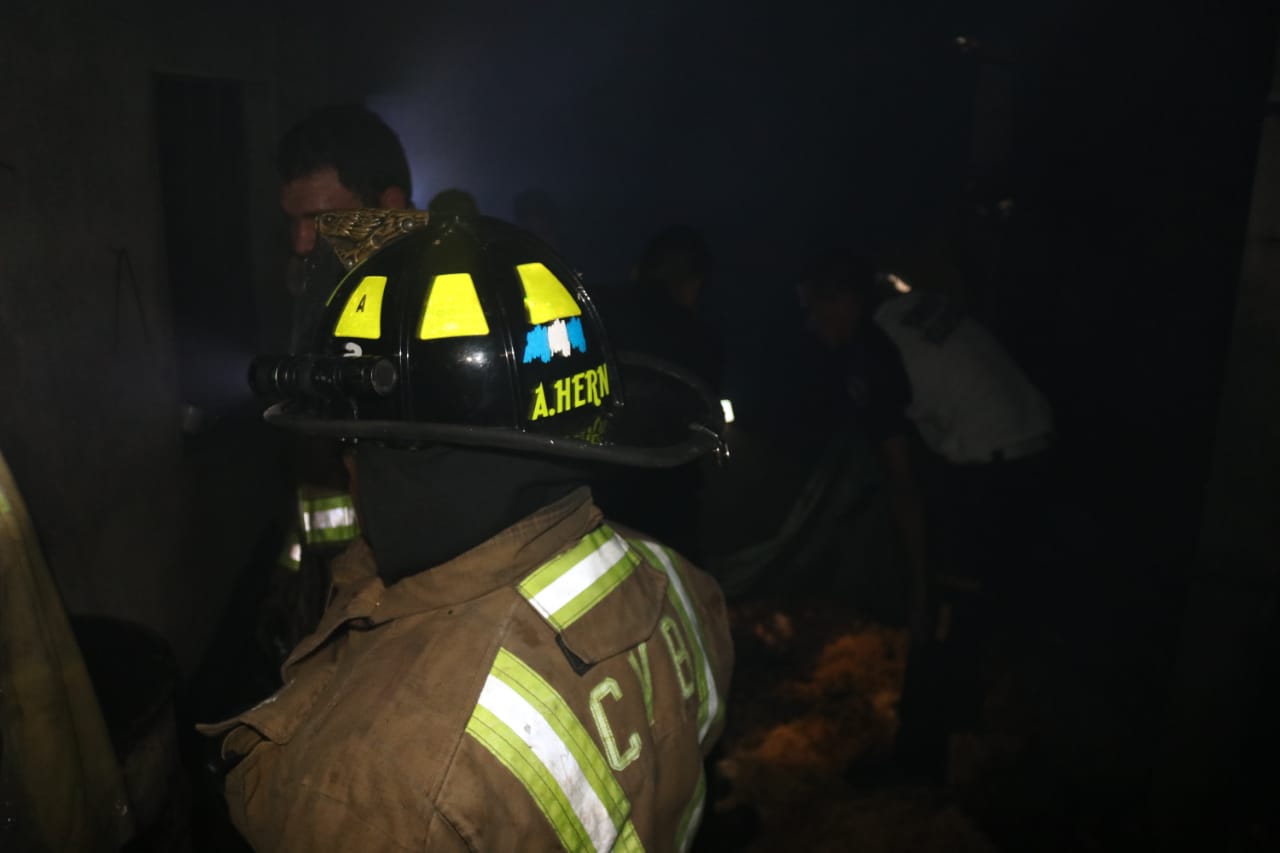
x: 545, y: 296
x: 362, y: 316
x: 452, y: 309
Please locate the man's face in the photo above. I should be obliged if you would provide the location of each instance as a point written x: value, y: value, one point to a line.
x: 303, y: 198
x: 833, y: 317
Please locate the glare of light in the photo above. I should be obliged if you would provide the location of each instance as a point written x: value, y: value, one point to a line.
x: 727, y: 407
x: 898, y: 284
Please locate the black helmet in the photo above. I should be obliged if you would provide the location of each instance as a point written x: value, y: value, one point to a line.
x: 467, y: 330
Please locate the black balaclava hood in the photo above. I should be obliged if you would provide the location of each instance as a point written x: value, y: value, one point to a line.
x: 421, y: 508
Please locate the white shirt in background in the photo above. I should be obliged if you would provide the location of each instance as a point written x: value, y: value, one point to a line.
x: 970, y: 402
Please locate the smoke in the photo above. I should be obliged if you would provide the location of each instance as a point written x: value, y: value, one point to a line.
x: 495, y: 100
x: 776, y: 130
x: 635, y: 116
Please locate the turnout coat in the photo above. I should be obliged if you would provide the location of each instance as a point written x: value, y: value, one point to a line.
x: 556, y: 687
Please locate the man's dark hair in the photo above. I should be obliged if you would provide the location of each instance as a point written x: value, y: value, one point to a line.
x: 841, y: 272
x: 673, y: 255
x: 364, y: 151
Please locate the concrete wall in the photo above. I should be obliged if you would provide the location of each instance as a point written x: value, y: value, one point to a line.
x: 89, y: 420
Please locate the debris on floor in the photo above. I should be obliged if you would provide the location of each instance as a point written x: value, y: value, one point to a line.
x: 813, y: 707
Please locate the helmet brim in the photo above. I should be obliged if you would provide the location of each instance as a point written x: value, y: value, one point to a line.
x: 670, y: 418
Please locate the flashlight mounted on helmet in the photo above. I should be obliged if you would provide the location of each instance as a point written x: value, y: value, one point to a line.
x: 323, y: 377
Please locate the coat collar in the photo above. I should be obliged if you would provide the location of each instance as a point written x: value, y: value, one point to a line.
x: 360, y: 598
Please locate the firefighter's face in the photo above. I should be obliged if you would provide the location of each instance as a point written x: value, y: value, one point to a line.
x: 302, y: 199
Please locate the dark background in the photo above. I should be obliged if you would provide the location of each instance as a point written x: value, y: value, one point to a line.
x: 1125, y: 136
x: 1123, y: 267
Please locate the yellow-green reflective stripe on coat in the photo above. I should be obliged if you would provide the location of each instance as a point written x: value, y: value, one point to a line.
x: 566, y: 588
x: 710, y: 706
x: 328, y: 520
x: 528, y: 727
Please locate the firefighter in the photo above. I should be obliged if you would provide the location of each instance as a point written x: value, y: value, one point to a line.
x: 339, y: 157
x: 499, y: 668
x: 661, y: 313
x: 916, y: 365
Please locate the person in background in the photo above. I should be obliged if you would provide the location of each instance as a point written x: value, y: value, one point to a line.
x: 340, y: 157
x: 660, y: 314
x: 919, y: 370
x: 665, y: 303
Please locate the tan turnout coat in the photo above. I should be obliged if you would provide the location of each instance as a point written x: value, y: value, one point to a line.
x: 557, y: 686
